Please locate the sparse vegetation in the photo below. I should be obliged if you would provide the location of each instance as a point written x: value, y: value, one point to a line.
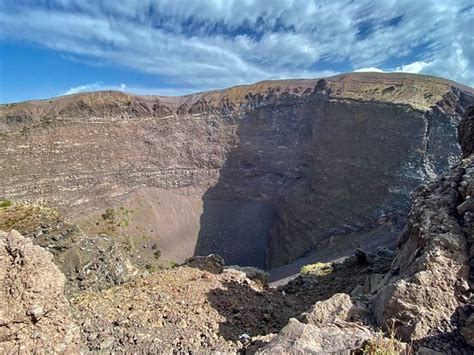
x: 150, y: 268
x: 5, y: 203
x: 157, y: 254
x: 382, y: 345
x: 317, y: 269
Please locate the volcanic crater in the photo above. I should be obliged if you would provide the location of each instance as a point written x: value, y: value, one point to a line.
x: 263, y: 175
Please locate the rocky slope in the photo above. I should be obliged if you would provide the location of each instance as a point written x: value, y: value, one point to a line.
x: 260, y: 174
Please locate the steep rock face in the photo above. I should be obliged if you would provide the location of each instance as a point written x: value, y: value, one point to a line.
x: 271, y: 170
x: 34, y: 315
x: 427, y: 295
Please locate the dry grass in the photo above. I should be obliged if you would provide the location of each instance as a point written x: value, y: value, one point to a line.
x: 317, y: 269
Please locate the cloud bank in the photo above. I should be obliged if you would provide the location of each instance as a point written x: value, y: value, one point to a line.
x: 217, y: 43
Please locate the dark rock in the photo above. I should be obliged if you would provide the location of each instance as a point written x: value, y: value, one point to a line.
x: 466, y: 132
x: 212, y: 263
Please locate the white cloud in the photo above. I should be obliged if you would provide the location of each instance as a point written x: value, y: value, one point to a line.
x: 99, y: 86
x: 415, y: 67
x: 83, y: 88
x: 370, y: 70
x: 216, y: 43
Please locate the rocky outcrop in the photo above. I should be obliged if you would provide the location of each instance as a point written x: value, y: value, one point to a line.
x: 466, y: 132
x: 299, y: 338
x: 88, y: 262
x: 252, y: 273
x: 335, y: 309
x: 34, y: 314
x: 212, y: 263
x: 427, y: 295
x: 326, y: 331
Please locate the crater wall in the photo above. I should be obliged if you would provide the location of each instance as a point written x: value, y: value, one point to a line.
x: 261, y: 174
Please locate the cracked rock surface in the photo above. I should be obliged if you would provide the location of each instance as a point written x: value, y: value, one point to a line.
x: 34, y: 313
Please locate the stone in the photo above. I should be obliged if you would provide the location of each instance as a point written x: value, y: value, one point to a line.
x: 252, y: 273
x: 357, y: 291
x: 212, y: 263
x: 34, y: 314
x: 334, y: 309
x: 298, y: 338
x: 373, y: 282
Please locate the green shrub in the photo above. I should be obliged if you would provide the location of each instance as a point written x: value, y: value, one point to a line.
x: 157, y: 254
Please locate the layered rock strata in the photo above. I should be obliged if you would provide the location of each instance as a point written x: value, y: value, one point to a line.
x: 259, y: 174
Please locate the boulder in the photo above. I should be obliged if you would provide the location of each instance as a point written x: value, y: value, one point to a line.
x: 212, y: 263
x: 299, y: 338
x: 334, y: 309
x: 252, y: 273
x: 34, y: 314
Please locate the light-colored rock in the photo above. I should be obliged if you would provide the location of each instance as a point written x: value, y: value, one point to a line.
x: 334, y: 309
x: 34, y: 315
x: 299, y: 338
x: 373, y: 283
x: 252, y: 273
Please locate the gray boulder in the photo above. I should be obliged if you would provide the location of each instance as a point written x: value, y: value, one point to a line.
x: 299, y: 338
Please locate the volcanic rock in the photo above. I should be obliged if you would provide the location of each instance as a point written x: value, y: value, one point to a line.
x: 428, y: 285
x: 212, y: 263
x: 299, y: 338
x: 34, y: 314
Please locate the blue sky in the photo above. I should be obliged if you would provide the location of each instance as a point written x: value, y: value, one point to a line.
x: 171, y: 47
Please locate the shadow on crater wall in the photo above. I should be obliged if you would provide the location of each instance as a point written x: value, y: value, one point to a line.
x: 307, y: 168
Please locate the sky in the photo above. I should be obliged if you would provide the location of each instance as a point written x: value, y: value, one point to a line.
x: 174, y: 47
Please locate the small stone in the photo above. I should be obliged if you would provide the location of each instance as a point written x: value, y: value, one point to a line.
x: 36, y: 312
x: 107, y: 343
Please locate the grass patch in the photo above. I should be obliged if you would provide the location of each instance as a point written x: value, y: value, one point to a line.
x: 317, y: 269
